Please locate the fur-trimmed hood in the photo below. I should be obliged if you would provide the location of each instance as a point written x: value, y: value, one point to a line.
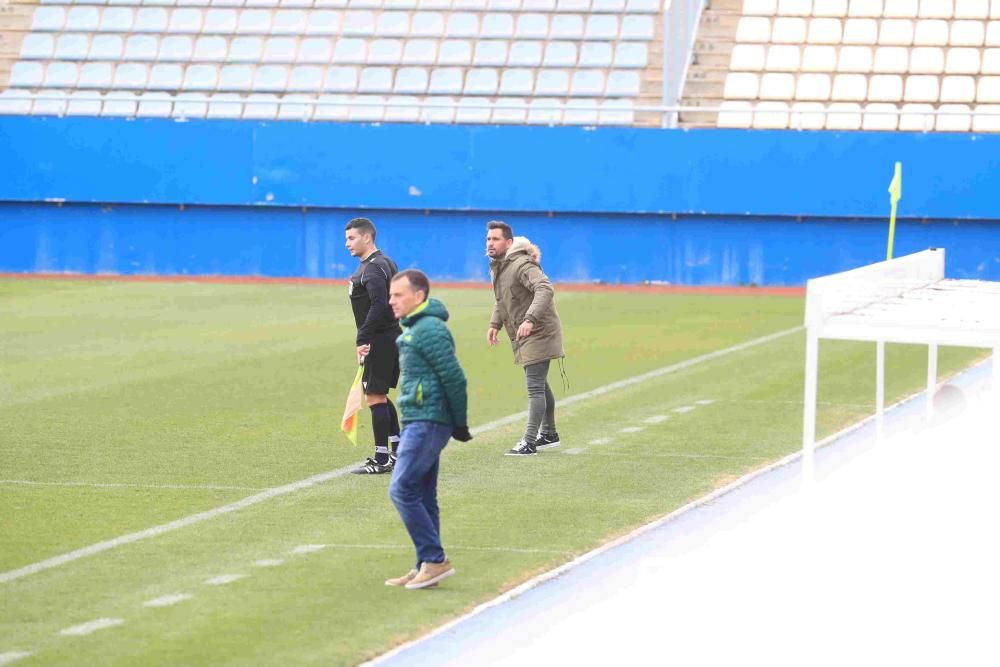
x: 523, y: 245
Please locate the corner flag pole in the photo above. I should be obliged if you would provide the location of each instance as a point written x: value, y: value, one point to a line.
x: 895, y: 193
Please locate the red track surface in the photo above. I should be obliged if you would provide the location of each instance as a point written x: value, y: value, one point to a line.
x: 569, y: 287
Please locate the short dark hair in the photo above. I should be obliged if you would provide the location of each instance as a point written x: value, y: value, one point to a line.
x: 418, y: 280
x: 504, y: 228
x: 363, y: 225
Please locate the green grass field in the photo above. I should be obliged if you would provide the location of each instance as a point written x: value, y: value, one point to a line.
x: 128, y: 405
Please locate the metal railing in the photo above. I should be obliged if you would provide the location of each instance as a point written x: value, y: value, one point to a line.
x: 680, y: 28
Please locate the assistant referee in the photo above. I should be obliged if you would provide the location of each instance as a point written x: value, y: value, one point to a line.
x: 376, y: 340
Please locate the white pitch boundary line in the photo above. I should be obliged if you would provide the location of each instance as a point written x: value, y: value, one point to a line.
x: 167, y: 600
x: 534, y: 582
x: 276, y: 492
x: 125, y: 485
x: 224, y: 579
x: 11, y: 656
x: 451, y: 547
x: 90, y: 627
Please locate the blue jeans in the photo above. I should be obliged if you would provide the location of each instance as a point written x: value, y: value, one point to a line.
x: 413, y: 489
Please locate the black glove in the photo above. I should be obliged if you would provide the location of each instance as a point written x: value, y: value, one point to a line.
x: 461, y: 433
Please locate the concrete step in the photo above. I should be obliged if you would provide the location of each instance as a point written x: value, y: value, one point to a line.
x: 725, y: 5
x: 707, y: 75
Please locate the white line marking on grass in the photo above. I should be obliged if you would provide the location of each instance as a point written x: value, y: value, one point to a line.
x: 308, y: 548
x: 684, y: 408
x: 167, y: 600
x: 705, y: 401
x: 573, y: 450
x: 90, y: 626
x: 308, y: 482
x: 599, y: 441
x: 269, y: 562
x: 223, y: 579
x: 632, y: 429
x: 102, y: 485
x: 449, y: 547
x: 11, y: 656
x: 656, y: 419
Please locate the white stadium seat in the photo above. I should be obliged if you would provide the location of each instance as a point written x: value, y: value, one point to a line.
x: 488, y: 53
x: 473, y: 110
x: 48, y: 19
x: 991, y: 61
x: 922, y: 88
x: 972, y: 9
x: 236, y: 77
x: 891, y: 60
x: 559, y: 54
x: 962, y: 61
x: 225, y: 105
x: 753, y: 29
x: 896, y: 32
x: 843, y: 116
x: 937, y: 9
x: 315, y: 50
x: 771, y: 115
x: 741, y: 86
x: 567, y: 26
x: 915, y: 119
x: 988, y: 90
x: 26, y: 75
x: 243, y: 49
x: 323, y: 22
x: 201, y: 77
x: 155, y: 105
x: 807, y: 116
x: 83, y: 19
x: 623, y: 84
x: 517, y: 82
x: 544, y: 111
x: 777, y: 86
x: 83, y: 103
x: 185, y: 20
x: 350, y: 51
x: 993, y: 33
x: 455, y: 52
x: 141, y: 47
x: 880, y: 116
x: 385, y: 52
x: 601, y: 27
x: 596, y: 54
x: 825, y: 31
x: 850, y: 87
x: 813, y: 87
x: 95, y: 76
x: 106, y: 47
x: 260, y: 106
x: 176, y: 48
x: 831, y: 8
x: 587, y: 83
x: 760, y: 7
x: 958, y: 89
x: 553, y: 83
x: 885, y: 88
x: 986, y: 118
x: 499, y: 26
x: 860, y: 31
x: 462, y: 24
x: 37, y: 46
x: 482, y: 81
x: 130, y: 76
x: 782, y: 57
x: 953, y: 118
x: 375, y: 80
x: 420, y: 52
x: 402, y: 109
x: 341, y: 80
x: 427, y: 24
x: 72, y: 46
x: 637, y: 28
x: 411, y: 81
x: 525, y: 54
x: 747, y: 58
x: 288, y: 22
x: 61, y: 75
x: 446, y: 81
x: 359, y: 23
x: 788, y: 30
x: 536, y: 26
x: 438, y: 110
x: 580, y: 112
x: 190, y: 105
x: 219, y: 22
x: 164, y: 76
x: 306, y: 79
x: 902, y: 9
x: 865, y: 8
x: 632, y: 54
x: 49, y: 103
x: 816, y: 58
x: 270, y: 78
x: 967, y: 33
x: 855, y: 59
x: 117, y: 19
x: 926, y: 60
x: 795, y: 7
x: 737, y: 114
x: 931, y: 32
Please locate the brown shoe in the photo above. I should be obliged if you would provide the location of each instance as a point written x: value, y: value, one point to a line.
x: 401, y: 581
x: 430, y: 574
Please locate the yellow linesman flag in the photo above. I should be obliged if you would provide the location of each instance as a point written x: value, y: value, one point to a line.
x: 349, y: 423
x: 896, y: 186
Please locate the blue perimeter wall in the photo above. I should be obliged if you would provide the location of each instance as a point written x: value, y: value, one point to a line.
x: 618, y: 205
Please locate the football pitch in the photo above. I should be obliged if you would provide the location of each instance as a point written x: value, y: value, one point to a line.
x: 127, y: 406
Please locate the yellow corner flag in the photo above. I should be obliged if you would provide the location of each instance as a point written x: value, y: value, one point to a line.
x: 895, y: 194
x: 349, y: 423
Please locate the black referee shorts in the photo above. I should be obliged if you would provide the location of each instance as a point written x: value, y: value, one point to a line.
x: 381, y: 366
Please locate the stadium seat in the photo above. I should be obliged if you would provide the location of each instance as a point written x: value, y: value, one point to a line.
x: 315, y: 50
x: 359, y: 23
x: 795, y: 7
x: 288, y: 22
x: 83, y: 103
x: 510, y: 111
x: 155, y: 105
x: 587, y: 83
x: 877, y: 117
x: 295, y: 107
x: 241, y: 49
x: 130, y: 76
x: 254, y: 22
x: 95, y: 76
x: 962, y: 61
x: 580, y: 112
x: 567, y: 26
x: 991, y: 61
x: 637, y: 28
x: 37, y: 46
x: 777, y: 86
x: 438, y: 110
x: 48, y: 19
x: 604, y: 6
x: 350, y: 51
x: 741, y: 86
x: 120, y: 103
x: 953, y: 118
x: 117, y: 19
x: 737, y: 114
x: 559, y: 54
x: 812, y: 87
x: 163, y: 76
x: 323, y: 22
x: 843, y: 116
x: 824, y: 31
x: 402, y: 109
x: 993, y: 33
x: 375, y: 80
x: 885, y: 88
x: 201, y: 77
x: 106, y: 47
x: 385, y: 52
x: 185, y: 20
x: 746, y: 58
x: 936, y: 9
x: 420, y: 52
x: 411, y: 81
x: 595, y: 54
x: 225, y: 105
x: 84, y: 19
x: 393, y: 24
x: 855, y: 59
x: 967, y: 33
x: 72, y: 46
x: 986, y: 118
x: 860, y: 31
x: 988, y: 90
x: 782, y: 58
x: 462, y: 24
x: 525, y: 54
x: 455, y: 52
x: 623, y: 84
x: 926, y: 60
x: 891, y: 60
x: 473, y: 110
x: 544, y: 111
x: 305, y: 79
x: 49, y: 103
x: 616, y: 112
x: 61, y: 75
x: 817, y: 58
x: 427, y: 24
x: 190, y: 105
x: 497, y: 26
x: 916, y: 118
x: 536, y: 26
x: 788, y: 30
x: 958, y: 89
x: 482, y: 81
x: 901, y: 9
x: 760, y: 8
x: 896, y: 32
x: 972, y: 9
x: 488, y: 53
x: 807, y: 116
x: 218, y: 22
x: 235, y: 78
x: 632, y: 55
x: 579, y: 6
x: 552, y: 83
x: 26, y: 75
x: 849, y: 87
x: 474, y: 5
x: 931, y: 32
x: 176, y: 48
x: 771, y: 115
x: 753, y: 29
x: 141, y: 47
x: 865, y: 8
x: 922, y: 88
x: 446, y: 81
x: 341, y: 80
x: 830, y: 8
x: 601, y: 27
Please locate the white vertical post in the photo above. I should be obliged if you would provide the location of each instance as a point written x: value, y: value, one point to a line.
x: 879, y: 388
x: 809, y: 406
x: 996, y: 377
x: 932, y: 358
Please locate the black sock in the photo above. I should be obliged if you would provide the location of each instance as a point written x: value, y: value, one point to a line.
x: 380, y: 427
x: 393, y: 427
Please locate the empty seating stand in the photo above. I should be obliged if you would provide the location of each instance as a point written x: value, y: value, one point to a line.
x: 497, y: 61
x: 913, y: 65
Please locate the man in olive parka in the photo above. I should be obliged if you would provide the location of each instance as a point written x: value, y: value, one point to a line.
x: 525, y: 308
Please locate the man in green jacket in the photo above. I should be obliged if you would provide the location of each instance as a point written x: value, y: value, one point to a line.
x: 526, y: 308
x: 433, y: 403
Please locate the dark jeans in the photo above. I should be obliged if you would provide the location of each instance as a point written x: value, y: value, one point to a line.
x: 541, y: 401
x: 413, y: 489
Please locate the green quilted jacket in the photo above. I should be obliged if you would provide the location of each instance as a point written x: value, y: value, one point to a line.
x: 433, y: 383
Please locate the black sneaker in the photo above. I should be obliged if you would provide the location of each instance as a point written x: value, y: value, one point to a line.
x: 373, y: 467
x: 523, y: 448
x: 547, y: 441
